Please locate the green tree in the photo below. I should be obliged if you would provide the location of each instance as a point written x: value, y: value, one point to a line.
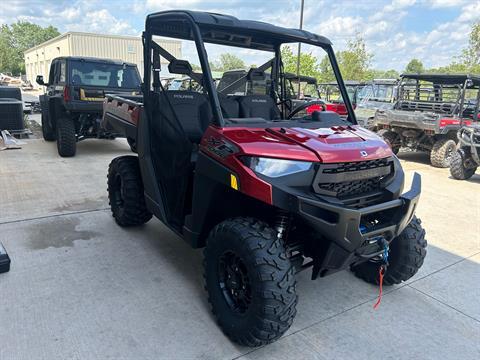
x: 415, y: 66
x: 385, y: 74
x: 308, y: 63
x: 325, y: 71
x: 453, y: 68
x: 230, y: 62
x: 354, y: 62
x: 471, y: 55
x: 196, y: 67
x: 17, y: 38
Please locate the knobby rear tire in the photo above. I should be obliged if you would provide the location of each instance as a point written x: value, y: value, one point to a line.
x: 392, y: 139
x: 441, y: 153
x: 457, y: 166
x: 66, y: 137
x: 125, y: 192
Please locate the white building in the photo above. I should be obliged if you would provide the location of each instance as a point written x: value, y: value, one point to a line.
x: 125, y: 48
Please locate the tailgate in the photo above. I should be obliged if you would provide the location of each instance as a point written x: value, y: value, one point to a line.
x: 122, y: 114
x: 407, y: 119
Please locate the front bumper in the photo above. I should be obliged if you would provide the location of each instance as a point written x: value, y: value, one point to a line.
x: 349, y: 240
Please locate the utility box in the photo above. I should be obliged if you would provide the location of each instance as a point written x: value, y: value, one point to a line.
x: 11, y: 115
x: 11, y: 111
x: 8, y: 92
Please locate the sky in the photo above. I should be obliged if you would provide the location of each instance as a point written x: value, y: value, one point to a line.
x: 395, y: 31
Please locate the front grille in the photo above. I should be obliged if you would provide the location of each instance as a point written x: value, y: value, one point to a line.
x: 356, y: 166
x: 344, y: 180
x: 352, y: 188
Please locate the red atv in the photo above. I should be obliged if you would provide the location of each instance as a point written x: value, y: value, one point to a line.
x: 266, y: 195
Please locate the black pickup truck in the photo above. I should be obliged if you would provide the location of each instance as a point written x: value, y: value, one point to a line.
x: 72, y: 105
x: 428, y: 113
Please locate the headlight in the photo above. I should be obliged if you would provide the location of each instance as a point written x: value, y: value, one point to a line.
x: 275, y: 167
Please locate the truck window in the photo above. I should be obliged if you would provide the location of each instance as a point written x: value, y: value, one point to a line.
x: 51, y: 75
x: 104, y: 75
x: 63, y: 72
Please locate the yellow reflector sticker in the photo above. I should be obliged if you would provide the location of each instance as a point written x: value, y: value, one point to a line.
x: 233, y: 182
x: 86, y: 98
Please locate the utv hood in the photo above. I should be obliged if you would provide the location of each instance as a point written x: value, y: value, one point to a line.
x: 327, y: 145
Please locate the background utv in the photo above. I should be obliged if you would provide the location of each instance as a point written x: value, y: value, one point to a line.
x: 266, y: 194
x: 72, y: 104
x: 428, y: 113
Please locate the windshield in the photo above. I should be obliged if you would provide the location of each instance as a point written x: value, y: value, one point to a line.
x: 331, y: 92
x: 307, y: 89
x: 254, y: 84
x: 239, y: 82
x: 376, y: 92
x: 184, y: 84
x: 104, y: 75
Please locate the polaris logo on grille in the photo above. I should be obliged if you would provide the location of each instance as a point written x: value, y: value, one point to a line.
x: 259, y: 100
x: 363, y: 153
x: 183, y: 96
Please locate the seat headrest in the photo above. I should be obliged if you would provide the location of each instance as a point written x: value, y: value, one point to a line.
x: 256, y: 75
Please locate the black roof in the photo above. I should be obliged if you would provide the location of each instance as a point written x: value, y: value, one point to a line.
x: 383, y: 82
x: 228, y: 30
x: 446, y: 79
x: 303, y: 78
x: 346, y: 82
x: 94, y: 59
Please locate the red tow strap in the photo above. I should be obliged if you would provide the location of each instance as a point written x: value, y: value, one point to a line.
x: 381, y: 272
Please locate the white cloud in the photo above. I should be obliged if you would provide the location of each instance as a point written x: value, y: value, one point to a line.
x: 85, y: 16
x: 398, y: 5
x: 470, y: 12
x: 445, y: 3
x: 158, y: 5
x: 102, y: 21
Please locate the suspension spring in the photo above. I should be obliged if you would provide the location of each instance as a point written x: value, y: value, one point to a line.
x: 282, y: 225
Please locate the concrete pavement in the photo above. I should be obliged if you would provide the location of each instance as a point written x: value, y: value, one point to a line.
x: 81, y: 287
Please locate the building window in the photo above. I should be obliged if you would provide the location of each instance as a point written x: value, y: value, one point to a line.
x: 130, y: 49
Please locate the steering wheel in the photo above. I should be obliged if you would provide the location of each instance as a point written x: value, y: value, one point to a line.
x: 306, y: 105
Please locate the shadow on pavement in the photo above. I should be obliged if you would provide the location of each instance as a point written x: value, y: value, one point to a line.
x: 420, y: 157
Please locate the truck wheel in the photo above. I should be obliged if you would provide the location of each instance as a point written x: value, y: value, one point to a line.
x: 457, y: 166
x: 442, y: 152
x: 48, y: 131
x: 392, y: 139
x: 407, y: 252
x: 66, y: 138
x: 250, y: 281
x: 125, y: 192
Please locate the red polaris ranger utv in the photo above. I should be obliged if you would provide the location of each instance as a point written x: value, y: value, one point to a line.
x: 264, y: 194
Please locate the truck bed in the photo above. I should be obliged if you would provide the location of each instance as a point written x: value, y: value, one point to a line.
x: 122, y: 113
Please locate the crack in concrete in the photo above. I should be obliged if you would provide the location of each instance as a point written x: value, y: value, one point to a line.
x: 52, y: 216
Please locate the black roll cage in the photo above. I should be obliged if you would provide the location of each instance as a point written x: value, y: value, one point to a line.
x: 291, y: 78
x: 218, y: 29
x: 461, y: 82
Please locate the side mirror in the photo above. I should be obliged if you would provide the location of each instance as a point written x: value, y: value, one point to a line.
x: 40, y: 81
